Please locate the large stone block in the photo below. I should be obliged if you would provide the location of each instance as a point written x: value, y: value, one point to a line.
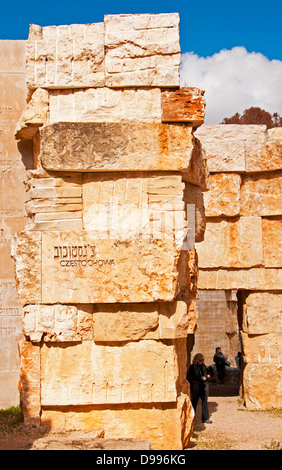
x: 105, y: 105
x: 123, y: 205
x: 261, y: 194
x: 265, y: 156
x: 142, y: 50
x: 66, y: 56
x: 76, y: 267
x: 183, y: 105
x: 262, y: 313
x: 116, y: 147
x: 223, y: 197
x: 262, y: 386
x: 58, y: 322
x: 228, y: 243
x: 225, y: 145
x: 125, y: 322
x: 250, y: 279
x: 167, y: 426
x: 262, y: 348
x: 272, y: 241
x: 136, y: 372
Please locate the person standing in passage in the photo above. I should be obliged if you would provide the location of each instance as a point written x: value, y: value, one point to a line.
x: 219, y: 361
x: 198, y: 378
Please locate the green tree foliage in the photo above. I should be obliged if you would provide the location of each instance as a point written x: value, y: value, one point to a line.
x: 255, y: 116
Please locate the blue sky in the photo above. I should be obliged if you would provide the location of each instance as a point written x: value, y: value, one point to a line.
x: 206, y: 27
x: 232, y: 50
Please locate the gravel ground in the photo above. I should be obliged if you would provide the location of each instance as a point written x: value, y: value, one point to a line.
x: 235, y: 428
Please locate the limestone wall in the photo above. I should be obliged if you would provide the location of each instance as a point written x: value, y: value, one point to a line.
x: 242, y: 250
x: 106, y: 276
x: 14, y: 160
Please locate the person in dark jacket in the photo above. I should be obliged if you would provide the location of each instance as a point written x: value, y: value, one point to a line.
x: 219, y: 361
x: 198, y: 378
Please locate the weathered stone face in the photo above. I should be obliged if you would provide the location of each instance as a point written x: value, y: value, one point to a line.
x: 242, y: 249
x: 142, y: 50
x: 74, y: 53
x: 106, y: 268
x: 75, y: 267
x: 116, y: 147
x: 228, y: 243
x: 110, y: 374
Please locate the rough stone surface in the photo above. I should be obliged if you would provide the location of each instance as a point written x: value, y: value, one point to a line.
x: 261, y: 386
x: 142, y: 50
x: 116, y: 146
x: 28, y: 266
x: 109, y: 374
x: 15, y: 159
x: 262, y: 313
x: 105, y: 105
x: 242, y: 250
x: 183, y: 105
x: 249, y: 278
x: 223, y: 197
x: 125, y: 322
x: 272, y: 237
x: 65, y: 56
x: 34, y: 116
x: 261, y: 194
x: 228, y: 243
x: 106, y: 267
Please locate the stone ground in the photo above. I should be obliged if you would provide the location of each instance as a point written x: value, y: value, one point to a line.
x: 233, y: 428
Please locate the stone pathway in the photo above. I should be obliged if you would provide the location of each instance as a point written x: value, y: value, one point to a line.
x: 235, y: 428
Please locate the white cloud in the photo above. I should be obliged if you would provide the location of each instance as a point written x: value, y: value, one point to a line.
x: 234, y: 80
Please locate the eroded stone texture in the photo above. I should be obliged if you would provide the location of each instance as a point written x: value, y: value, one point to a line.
x: 109, y: 374
x: 58, y: 322
x: 29, y: 385
x: 34, y: 115
x: 106, y: 105
x: 261, y: 194
x: 242, y: 250
x: 14, y: 160
x: 262, y: 313
x: 262, y: 386
x: 116, y: 146
x: 107, y: 268
x: 228, y: 243
x: 28, y: 266
x: 183, y: 105
x: 65, y: 56
x: 223, y: 197
x: 142, y: 50
x: 272, y: 241
x: 125, y: 322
